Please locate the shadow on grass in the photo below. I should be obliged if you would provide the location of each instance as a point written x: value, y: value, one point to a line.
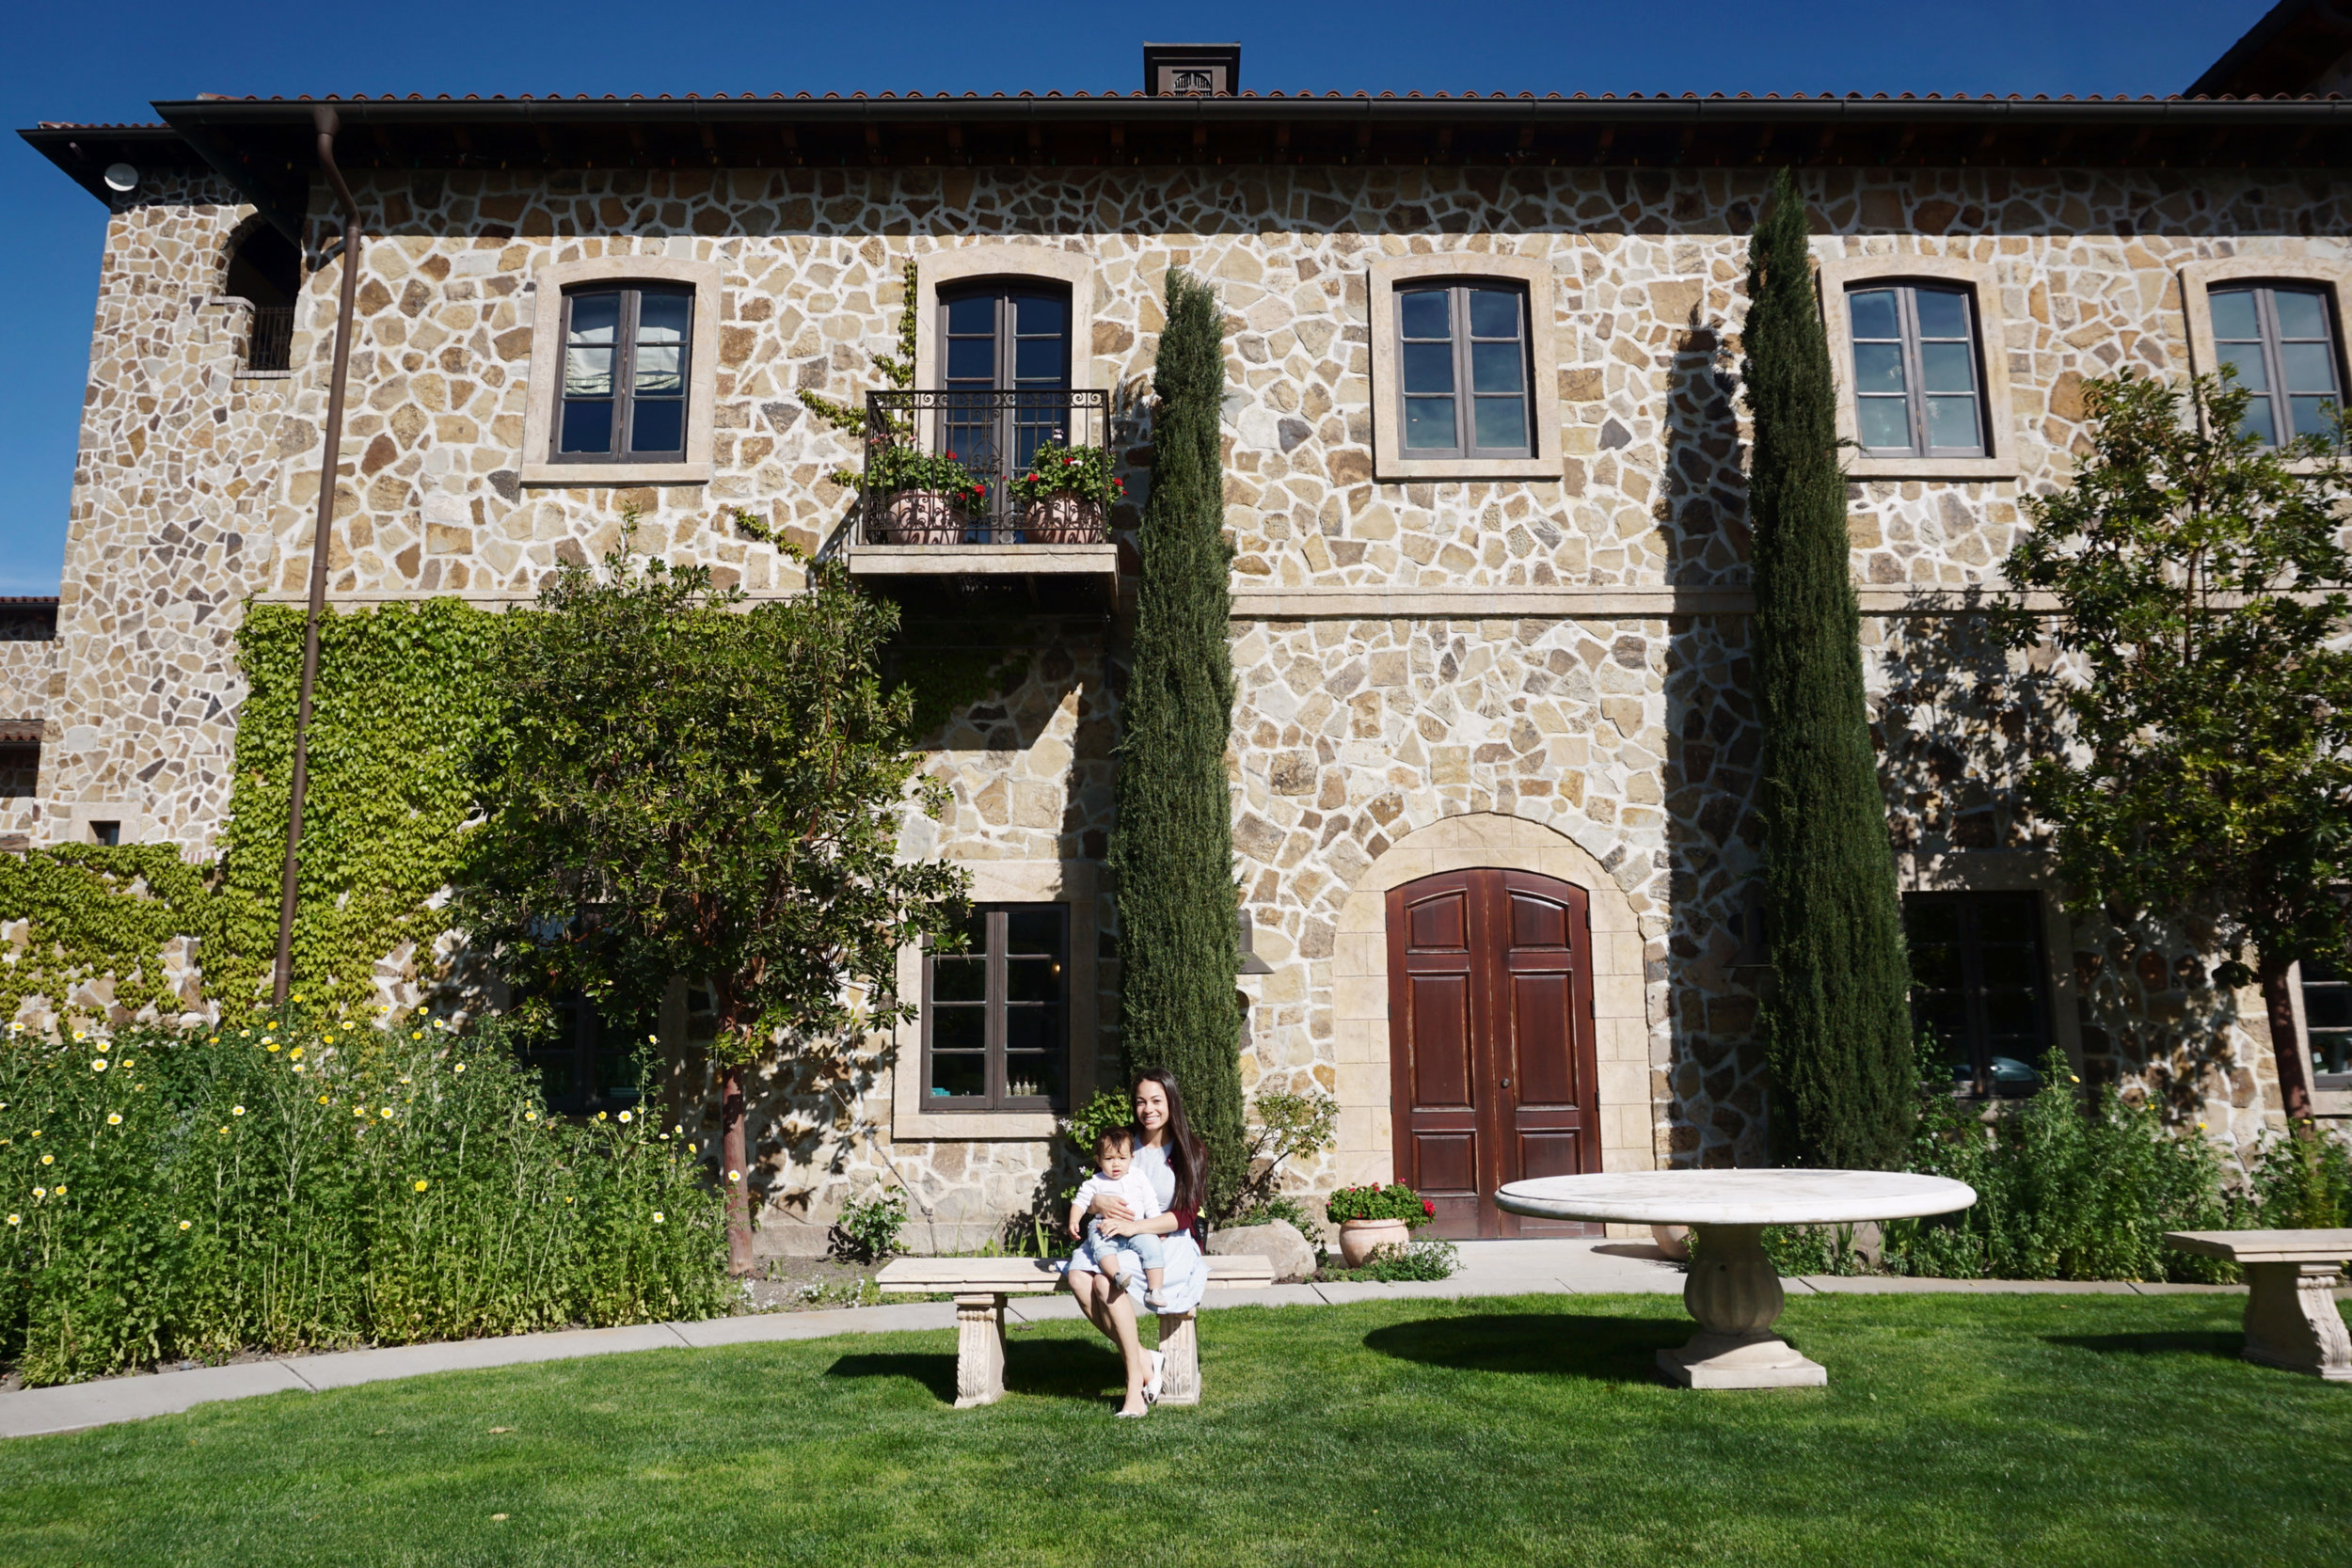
x: 1607, y: 1349
x: 2222, y: 1345
x: 1050, y: 1369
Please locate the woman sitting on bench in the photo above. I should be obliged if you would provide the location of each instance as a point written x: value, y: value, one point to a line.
x: 1177, y: 1165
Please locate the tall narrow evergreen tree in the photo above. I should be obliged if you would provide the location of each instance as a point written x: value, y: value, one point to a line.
x: 1837, y: 1025
x: 1173, y: 850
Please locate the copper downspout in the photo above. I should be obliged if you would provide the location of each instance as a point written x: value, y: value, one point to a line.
x: 282, y: 975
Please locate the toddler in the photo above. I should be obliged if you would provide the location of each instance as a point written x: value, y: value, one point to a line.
x: 1116, y: 1175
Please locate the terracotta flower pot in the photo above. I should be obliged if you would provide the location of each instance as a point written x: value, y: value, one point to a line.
x: 1064, y: 520
x: 923, y: 517
x: 1359, y: 1237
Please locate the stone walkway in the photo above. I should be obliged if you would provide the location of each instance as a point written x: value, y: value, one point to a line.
x: 1488, y: 1269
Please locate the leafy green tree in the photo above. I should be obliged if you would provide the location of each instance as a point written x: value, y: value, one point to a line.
x: 682, y: 785
x: 2208, y: 779
x: 1836, y: 1025
x: 1173, y: 850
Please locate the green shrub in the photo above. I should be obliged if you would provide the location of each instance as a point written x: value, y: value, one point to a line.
x: 868, y: 1227
x: 1796, y: 1249
x: 288, y: 1183
x: 1430, y: 1259
x: 1279, y: 1205
x: 2303, y: 1183
x: 2062, y: 1193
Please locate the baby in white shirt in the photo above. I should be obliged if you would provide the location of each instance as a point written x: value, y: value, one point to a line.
x: 1117, y: 1177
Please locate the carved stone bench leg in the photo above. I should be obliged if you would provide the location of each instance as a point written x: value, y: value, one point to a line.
x: 2292, y: 1322
x: 979, y: 1350
x: 1180, y: 1344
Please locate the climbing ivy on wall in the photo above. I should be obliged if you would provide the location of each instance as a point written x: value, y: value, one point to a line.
x: 93, y: 911
x: 405, y: 694
x: 402, y: 697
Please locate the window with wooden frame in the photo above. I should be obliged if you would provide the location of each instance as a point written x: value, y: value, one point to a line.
x: 2281, y: 341
x: 996, y: 1015
x: 589, y: 1061
x: 1462, y: 369
x: 1981, y: 987
x: 1917, y: 382
x: 623, y: 391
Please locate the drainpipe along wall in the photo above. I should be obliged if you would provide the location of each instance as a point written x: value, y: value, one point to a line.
x: 281, y: 976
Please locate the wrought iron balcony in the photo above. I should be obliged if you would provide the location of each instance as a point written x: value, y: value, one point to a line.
x: 937, y: 497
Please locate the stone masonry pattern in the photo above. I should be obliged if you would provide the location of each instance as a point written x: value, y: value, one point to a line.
x: 1629, y: 735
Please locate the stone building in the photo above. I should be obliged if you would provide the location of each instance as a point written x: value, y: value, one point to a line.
x: 1493, y: 749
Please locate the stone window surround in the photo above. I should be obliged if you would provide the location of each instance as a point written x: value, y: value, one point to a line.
x: 1837, y: 276
x: 1625, y: 1133
x: 1534, y: 274
x: 1070, y: 882
x: 967, y: 263
x: 2198, y: 279
x: 2014, y: 871
x: 71, y: 824
x: 547, y: 364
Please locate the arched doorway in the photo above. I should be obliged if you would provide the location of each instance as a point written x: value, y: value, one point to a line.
x: 1490, y: 1051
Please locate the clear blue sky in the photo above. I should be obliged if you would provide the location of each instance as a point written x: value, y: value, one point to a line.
x: 65, y: 63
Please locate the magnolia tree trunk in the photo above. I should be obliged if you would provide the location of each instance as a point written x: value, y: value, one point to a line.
x: 2286, y: 1044
x: 734, y: 1172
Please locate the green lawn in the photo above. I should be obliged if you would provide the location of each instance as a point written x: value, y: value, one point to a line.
x: 1956, y: 1430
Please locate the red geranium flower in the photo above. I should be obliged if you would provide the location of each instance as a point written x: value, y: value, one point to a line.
x: 1428, y: 1207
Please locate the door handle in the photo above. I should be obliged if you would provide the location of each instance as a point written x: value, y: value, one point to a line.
x: 1507, y: 1082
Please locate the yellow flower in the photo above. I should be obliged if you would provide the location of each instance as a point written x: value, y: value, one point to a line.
x: 214, y: 1040
x: 665, y: 1137
x: 531, y: 1115
x: 735, y: 1176
x: 224, y: 1132
x: 127, y: 1062
x: 58, y: 1191
x: 236, y: 1110
x: 599, y: 1115
x: 102, y: 1047
x: 98, y: 1065
x: 48, y: 1158
x: 322, y: 1100
x: 16, y: 1219
x: 388, y: 1113
x: 113, y: 1118
x: 657, y: 1219
x: 461, y: 1066
x: 276, y: 1049
x: 361, y: 1111
x: 44, y: 1192
x: 298, y: 996
x: 245, y: 1034
x: 81, y: 1033
x: 624, y: 1116
x: 297, y: 1067
x: 187, y: 1225
x: 295, y: 1054
x: 422, y: 1186
x: 417, y: 1035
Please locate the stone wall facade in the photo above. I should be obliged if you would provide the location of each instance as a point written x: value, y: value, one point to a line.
x: 1561, y: 660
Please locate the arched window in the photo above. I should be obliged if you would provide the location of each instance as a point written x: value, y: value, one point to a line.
x: 265, y: 270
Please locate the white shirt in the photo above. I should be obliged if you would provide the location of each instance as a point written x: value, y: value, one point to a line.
x: 1135, y: 1188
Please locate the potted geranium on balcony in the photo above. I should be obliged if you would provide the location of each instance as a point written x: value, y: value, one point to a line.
x: 1064, y: 493
x: 918, y: 497
x: 1375, y: 1216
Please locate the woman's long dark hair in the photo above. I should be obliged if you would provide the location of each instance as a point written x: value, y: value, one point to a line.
x: 1187, y: 1157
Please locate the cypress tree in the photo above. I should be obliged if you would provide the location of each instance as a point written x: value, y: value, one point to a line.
x: 1836, y: 1026
x: 1173, y: 850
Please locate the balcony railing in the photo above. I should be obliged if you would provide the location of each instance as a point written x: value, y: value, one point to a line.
x: 992, y: 435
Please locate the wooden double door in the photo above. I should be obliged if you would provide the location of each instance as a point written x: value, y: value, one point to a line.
x: 1490, y: 1043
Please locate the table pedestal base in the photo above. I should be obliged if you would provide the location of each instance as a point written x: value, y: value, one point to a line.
x: 1741, y: 1361
x: 1734, y: 1292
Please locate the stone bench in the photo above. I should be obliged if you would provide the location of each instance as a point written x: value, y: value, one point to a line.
x: 2290, y: 1317
x: 980, y: 1286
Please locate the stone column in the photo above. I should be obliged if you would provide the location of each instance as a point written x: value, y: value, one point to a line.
x: 1734, y: 1293
x: 2292, y: 1320
x: 979, y: 1350
x: 1180, y: 1348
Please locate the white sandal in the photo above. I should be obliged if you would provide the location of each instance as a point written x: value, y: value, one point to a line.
x: 1152, y: 1384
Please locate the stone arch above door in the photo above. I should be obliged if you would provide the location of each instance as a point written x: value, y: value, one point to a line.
x: 1359, y: 985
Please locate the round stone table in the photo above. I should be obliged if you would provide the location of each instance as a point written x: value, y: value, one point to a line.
x: 1734, y: 1292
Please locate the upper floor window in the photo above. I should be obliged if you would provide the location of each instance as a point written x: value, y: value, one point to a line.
x: 1462, y: 354
x: 1916, y: 388
x: 1978, y: 985
x: 625, y: 375
x: 264, y: 270
x: 996, y: 1016
x: 2281, y: 341
x: 1003, y: 336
